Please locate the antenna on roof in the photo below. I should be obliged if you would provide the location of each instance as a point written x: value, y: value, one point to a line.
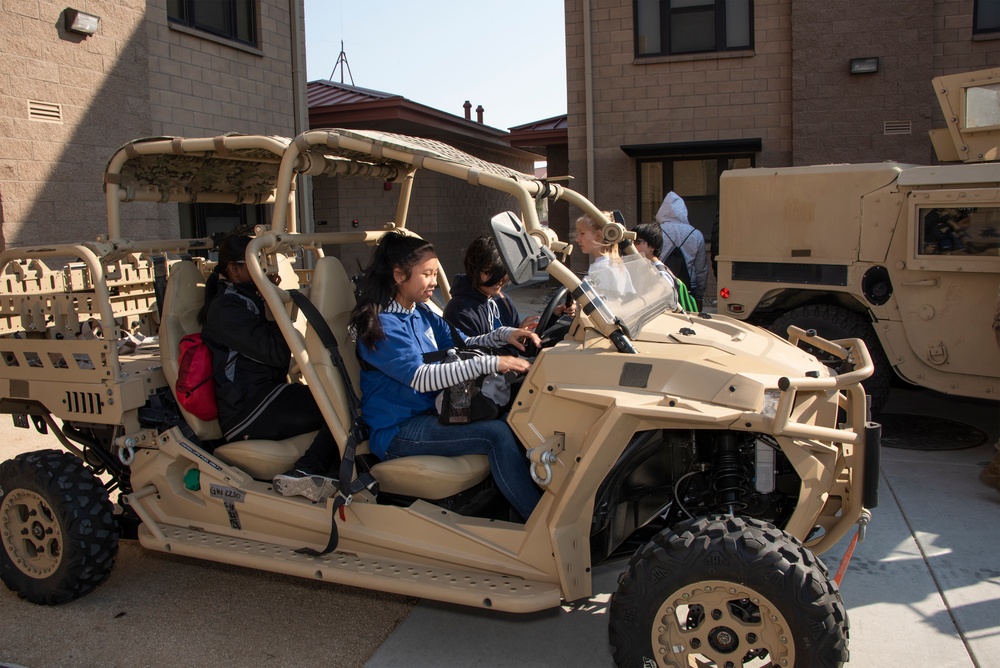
x: 343, y: 65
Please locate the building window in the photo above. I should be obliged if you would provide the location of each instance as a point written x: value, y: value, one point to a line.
x: 198, y: 221
x: 230, y: 19
x: 670, y: 27
x: 985, y: 17
x: 696, y: 180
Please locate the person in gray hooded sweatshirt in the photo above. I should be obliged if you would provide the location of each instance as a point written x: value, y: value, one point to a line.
x: 679, y: 233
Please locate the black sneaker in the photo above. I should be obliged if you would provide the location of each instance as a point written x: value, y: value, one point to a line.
x: 297, y: 482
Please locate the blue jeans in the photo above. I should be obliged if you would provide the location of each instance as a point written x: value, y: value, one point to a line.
x: 423, y: 435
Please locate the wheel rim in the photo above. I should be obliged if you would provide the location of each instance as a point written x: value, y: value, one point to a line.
x: 721, y: 624
x: 31, y: 533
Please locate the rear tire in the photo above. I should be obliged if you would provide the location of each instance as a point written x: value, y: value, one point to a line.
x: 58, y: 533
x: 835, y: 322
x: 727, y: 591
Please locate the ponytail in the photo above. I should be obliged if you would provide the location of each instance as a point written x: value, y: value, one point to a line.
x: 378, y: 284
x: 232, y: 249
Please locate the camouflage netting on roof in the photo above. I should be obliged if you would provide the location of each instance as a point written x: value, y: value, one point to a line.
x: 247, y: 172
x: 428, y: 148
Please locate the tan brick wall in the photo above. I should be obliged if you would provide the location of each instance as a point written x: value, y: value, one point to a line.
x: 201, y: 87
x: 839, y: 117
x: 50, y: 173
x: 134, y: 78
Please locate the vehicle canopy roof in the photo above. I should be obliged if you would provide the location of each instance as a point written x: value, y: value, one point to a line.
x: 247, y: 169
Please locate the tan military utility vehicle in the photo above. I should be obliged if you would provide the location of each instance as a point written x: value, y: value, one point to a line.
x: 723, y: 457
x: 901, y: 256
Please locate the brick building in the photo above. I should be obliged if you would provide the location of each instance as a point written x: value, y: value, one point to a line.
x: 665, y: 95
x: 69, y: 100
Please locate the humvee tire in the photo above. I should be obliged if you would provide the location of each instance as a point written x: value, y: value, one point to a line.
x: 835, y: 322
x: 57, y: 528
x: 727, y: 590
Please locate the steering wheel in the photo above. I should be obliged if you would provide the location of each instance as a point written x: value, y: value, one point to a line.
x: 553, y: 334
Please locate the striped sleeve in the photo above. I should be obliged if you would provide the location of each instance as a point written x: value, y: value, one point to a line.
x: 494, y: 339
x: 434, y: 377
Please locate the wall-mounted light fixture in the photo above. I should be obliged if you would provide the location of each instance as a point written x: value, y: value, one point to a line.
x: 81, y: 22
x: 864, y: 65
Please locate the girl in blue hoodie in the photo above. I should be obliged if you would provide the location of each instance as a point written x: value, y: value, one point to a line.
x: 394, y: 328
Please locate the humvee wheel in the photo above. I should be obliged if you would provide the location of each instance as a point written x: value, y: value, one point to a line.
x: 835, y: 322
x: 57, y: 529
x: 727, y: 592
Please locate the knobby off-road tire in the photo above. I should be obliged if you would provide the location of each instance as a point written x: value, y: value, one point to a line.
x: 58, y: 534
x: 727, y: 591
x: 835, y: 322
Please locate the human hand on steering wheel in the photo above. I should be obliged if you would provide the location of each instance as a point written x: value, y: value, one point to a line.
x: 567, y: 309
x: 518, y: 337
x: 556, y: 307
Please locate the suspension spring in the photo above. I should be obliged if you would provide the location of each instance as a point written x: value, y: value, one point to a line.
x: 730, y: 482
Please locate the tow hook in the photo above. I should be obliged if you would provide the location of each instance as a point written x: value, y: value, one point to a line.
x: 545, y: 459
x: 126, y: 452
x: 544, y: 456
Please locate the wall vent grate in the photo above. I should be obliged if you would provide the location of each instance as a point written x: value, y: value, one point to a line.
x: 46, y: 112
x: 897, y: 128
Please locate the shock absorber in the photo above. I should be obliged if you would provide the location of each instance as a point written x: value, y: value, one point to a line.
x: 730, y: 480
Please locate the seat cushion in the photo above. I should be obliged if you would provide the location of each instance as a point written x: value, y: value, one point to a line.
x: 265, y: 459
x: 431, y: 477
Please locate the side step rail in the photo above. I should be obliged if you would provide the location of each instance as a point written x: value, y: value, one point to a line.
x: 450, y: 585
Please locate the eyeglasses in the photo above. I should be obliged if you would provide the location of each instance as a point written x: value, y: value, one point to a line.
x: 496, y: 277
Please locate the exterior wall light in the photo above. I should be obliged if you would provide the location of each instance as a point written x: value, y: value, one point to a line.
x: 81, y: 22
x: 864, y: 65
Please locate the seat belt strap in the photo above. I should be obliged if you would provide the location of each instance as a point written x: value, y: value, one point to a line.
x: 357, y: 431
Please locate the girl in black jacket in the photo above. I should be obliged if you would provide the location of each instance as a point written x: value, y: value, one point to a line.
x: 478, y: 305
x: 250, y: 360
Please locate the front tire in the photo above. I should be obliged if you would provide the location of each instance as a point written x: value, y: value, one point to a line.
x: 57, y: 528
x: 727, y: 592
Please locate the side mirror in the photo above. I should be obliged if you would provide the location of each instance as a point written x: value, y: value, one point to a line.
x: 522, y: 256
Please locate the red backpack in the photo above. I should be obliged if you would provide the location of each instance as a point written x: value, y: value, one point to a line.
x: 195, y: 386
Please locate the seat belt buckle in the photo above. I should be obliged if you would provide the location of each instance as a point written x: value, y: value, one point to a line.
x: 359, y: 431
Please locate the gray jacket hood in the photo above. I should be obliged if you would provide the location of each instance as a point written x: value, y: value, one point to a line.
x: 673, y: 210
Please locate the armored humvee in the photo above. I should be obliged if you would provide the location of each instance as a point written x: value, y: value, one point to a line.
x: 904, y: 257
x: 722, y: 457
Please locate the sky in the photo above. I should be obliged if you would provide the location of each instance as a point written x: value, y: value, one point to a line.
x: 509, y: 56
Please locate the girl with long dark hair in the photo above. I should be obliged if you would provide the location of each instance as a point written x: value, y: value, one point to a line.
x: 250, y: 360
x: 394, y: 328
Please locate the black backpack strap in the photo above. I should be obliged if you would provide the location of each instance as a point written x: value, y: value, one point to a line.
x: 678, y: 245
x: 357, y: 432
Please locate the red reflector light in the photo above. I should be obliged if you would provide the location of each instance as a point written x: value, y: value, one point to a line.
x: 735, y: 308
x: 724, y: 293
